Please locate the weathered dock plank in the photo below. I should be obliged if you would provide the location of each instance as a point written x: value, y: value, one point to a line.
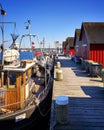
x: 86, y: 98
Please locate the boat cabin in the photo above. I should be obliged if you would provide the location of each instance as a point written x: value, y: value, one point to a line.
x: 14, y: 88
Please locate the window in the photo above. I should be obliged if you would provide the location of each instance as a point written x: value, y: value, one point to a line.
x: 12, y: 79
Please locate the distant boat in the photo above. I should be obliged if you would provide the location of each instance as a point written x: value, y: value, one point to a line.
x: 25, y: 90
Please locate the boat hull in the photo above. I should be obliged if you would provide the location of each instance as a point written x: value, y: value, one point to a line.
x: 31, y: 117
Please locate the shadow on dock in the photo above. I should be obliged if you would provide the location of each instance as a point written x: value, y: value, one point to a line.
x: 85, y: 113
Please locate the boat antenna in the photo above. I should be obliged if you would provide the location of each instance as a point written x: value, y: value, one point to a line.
x: 28, y: 28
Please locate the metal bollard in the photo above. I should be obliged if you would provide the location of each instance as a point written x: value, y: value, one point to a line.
x: 59, y: 75
x: 62, y: 109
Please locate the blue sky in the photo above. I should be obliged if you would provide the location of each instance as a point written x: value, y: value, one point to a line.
x: 51, y: 19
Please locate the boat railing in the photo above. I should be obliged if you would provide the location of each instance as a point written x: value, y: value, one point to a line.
x: 6, y: 108
x: 45, y: 91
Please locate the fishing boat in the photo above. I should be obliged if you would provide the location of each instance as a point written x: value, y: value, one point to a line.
x: 25, y: 89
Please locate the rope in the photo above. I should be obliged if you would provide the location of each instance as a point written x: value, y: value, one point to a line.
x: 41, y: 113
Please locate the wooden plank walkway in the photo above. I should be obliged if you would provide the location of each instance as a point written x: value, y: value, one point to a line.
x: 86, y: 98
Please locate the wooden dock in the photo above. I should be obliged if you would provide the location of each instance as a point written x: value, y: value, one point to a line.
x: 86, y: 98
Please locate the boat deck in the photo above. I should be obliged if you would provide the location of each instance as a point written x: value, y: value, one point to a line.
x: 86, y: 98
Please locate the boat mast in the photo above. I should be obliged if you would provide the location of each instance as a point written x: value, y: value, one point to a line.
x: 43, y: 43
x: 28, y: 28
x: 3, y: 13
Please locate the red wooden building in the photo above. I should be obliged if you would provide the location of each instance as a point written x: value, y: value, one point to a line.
x: 92, y: 41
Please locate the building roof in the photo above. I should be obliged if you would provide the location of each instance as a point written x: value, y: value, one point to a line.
x: 64, y: 44
x: 77, y: 31
x: 94, y: 31
x: 70, y: 41
x: 77, y: 35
